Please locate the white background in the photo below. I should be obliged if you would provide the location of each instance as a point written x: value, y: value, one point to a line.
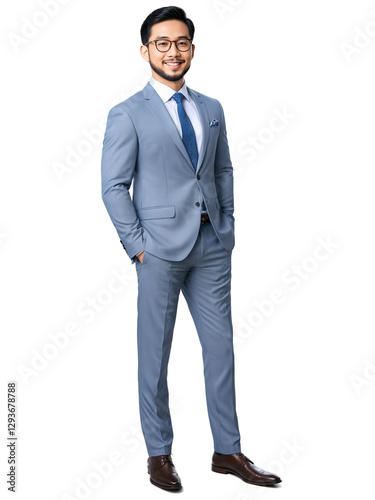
x: 305, y: 373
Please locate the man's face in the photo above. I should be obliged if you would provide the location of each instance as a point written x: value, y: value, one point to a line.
x: 170, y: 66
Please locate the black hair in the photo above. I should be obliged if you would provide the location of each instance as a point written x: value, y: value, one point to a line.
x: 165, y: 14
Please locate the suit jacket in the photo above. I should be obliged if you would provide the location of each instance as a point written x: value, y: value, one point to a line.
x: 142, y: 145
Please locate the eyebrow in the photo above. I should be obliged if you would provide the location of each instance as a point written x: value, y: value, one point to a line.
x: 167, y: 37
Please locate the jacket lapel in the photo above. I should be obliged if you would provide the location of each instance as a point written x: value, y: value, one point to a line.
x: 203, y: 113
x: 158, y: 108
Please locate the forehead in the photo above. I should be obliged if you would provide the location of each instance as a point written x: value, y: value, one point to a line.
x: 171, y: 29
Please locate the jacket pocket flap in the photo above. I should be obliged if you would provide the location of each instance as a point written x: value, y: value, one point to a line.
x: 161, y: 212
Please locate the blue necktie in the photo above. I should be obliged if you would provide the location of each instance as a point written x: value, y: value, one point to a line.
x: 188, y: 134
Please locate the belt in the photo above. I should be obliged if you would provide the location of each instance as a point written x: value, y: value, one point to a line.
x: 205, y: 218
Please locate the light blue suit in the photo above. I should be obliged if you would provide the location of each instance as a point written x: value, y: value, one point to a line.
x: 142, y: 145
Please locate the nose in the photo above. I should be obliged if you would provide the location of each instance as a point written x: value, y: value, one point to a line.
x: 173, y: 51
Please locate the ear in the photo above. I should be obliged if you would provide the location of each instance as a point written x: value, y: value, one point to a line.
x: 144, y: 53
x: 192, y: 50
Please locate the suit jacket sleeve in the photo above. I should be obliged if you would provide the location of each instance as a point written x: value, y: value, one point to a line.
x: 224, y: 171
x: 119, y: 159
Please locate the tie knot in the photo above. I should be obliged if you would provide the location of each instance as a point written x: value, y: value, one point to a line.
x: 178, y: 97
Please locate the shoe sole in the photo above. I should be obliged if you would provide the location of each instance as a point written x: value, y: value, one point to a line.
x: 222, y: 470
x: 174, y: 488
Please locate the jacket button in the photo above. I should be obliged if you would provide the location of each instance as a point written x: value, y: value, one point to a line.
x: 198, y: 177
x: 197, y: 204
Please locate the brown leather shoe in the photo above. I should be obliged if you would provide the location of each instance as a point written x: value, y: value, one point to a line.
x: 240, y: 465
x: 163, y: 473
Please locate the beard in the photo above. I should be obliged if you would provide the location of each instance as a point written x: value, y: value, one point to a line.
x: 170, y: 78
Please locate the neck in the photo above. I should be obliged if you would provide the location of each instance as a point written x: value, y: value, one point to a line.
x: 176, y: 86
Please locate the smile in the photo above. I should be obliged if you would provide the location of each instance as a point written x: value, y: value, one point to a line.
x: 173, y: 65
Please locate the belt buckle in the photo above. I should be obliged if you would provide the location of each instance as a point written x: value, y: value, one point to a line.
x: 204, y: 218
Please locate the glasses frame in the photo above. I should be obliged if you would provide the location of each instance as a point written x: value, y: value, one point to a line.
x: 171, y: 41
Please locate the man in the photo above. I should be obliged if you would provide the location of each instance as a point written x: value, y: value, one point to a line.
x: 178, y: 229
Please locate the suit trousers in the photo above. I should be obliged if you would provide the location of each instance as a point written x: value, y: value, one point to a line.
x: 204, y: 277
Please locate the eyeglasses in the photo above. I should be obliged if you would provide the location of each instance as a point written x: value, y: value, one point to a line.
x: 183, y: 45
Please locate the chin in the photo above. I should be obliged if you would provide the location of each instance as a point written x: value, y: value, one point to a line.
x: 168, y: 74
x: 173, y: 77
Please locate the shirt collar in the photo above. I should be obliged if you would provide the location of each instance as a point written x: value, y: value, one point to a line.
x: 166, y: 92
